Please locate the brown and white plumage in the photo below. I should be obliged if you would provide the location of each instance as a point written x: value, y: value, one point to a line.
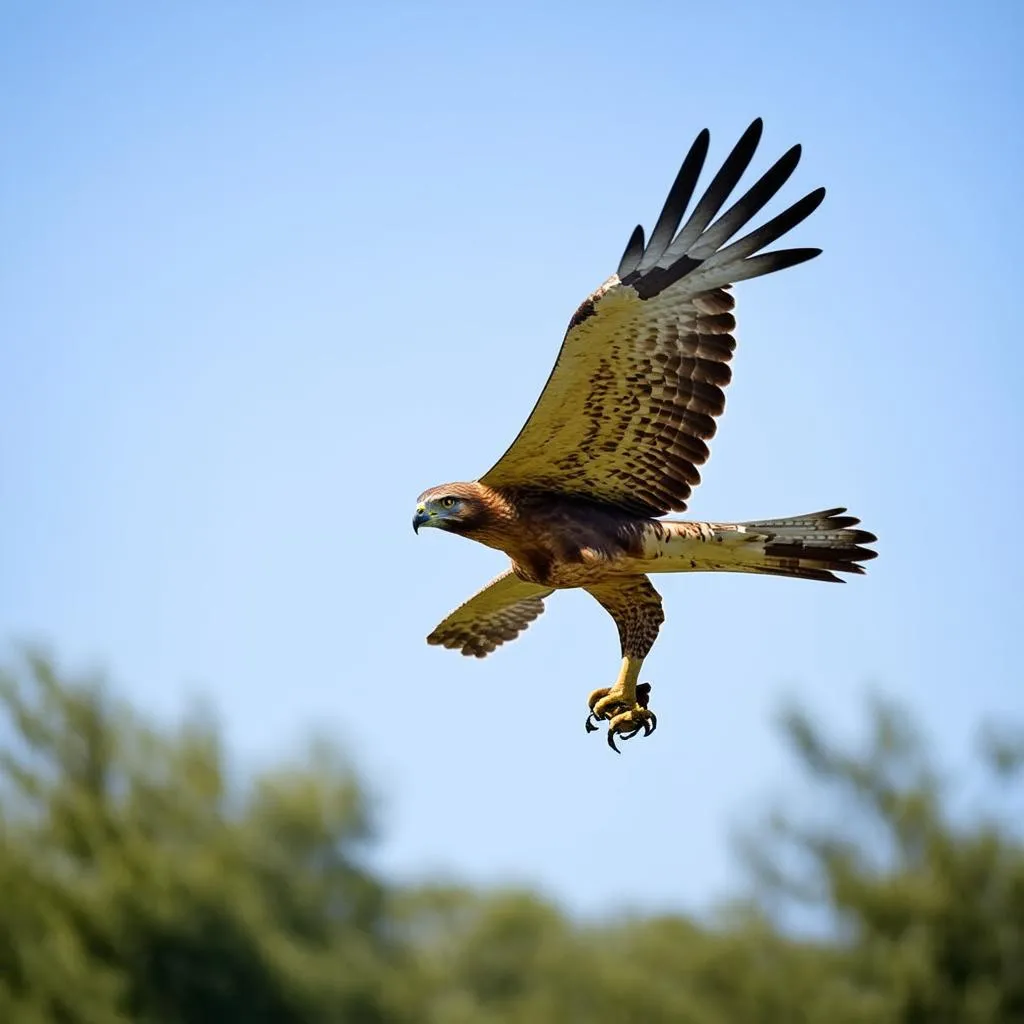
x: 620, y: 429
x: 631, y: 402
x: 496, y: 613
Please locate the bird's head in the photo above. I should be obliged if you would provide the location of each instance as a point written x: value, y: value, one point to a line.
x: 457, y: 508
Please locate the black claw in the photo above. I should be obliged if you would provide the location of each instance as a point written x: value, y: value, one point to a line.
x: 648, y: 724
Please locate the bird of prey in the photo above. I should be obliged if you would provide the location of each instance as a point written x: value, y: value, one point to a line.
x: 618, y: 432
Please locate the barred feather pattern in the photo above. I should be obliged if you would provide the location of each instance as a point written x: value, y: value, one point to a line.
x: 496, y: 613
x: 631, y: 403
x: 811, y: 547
x: 635, y: 606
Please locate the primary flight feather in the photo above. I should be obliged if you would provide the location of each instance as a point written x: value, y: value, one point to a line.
x: 619, y: 431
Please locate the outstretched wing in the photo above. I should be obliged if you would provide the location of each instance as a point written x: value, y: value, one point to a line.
x: 631, y: 402
x: 499, y: 612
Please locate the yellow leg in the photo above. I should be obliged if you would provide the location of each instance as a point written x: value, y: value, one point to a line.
x: 624, y: 705
x: 622, y: 693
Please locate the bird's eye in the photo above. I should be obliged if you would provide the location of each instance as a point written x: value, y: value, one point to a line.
x: 447, y: 502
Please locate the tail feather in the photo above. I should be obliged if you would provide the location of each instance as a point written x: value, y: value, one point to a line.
x: 811, y: 547
x: 814, y: 546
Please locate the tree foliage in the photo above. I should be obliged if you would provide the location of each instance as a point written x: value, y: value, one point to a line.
x: 143, y: 880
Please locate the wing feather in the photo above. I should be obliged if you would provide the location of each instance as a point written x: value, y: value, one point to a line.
x: 498, y: 612
x: 718, y: 191
x: 753, y: 201
x: 632, y: 400
x: 634, y: 250
x: 679, y: 197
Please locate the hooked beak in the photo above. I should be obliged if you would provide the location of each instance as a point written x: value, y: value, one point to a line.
x: 422, y: 516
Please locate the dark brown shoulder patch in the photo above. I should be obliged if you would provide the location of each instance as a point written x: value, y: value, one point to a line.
x: 585, y: 311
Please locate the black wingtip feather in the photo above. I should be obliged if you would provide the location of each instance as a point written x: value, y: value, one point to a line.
x: 768, y: 232
x: 667, y: 259
x: 678, y: 199
x: 748, y: 206
x: 780, y: 259
x: 724, y: 181
x: 634, y: 250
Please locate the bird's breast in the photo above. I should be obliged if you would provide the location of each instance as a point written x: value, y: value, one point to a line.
x: 567, y: 568
x: 563, y: 544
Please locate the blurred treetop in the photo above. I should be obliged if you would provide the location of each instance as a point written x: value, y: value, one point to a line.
x: 142, y: 881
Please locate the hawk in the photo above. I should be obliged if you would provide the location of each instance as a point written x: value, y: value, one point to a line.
x: 618, y: 432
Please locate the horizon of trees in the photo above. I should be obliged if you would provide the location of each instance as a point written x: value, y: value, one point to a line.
x: 141, y: 880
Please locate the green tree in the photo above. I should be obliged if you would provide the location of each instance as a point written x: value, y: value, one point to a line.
x: 142, y: 880
x: 926, y: 906
x: 147, y: 888
x: 920, y: 916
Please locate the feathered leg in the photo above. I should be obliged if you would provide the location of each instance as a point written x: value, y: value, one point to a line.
x: 635, y: 606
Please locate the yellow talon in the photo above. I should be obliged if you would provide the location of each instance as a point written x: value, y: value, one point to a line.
x: 623, y: 706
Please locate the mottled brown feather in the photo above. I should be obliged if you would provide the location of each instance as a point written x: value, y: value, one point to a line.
x: 498, y: 612
x: 622, y: 425
x: 631, y: 402
x: 635, y: 606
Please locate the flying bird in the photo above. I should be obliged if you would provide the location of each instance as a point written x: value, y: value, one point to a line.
x: 618, y: 432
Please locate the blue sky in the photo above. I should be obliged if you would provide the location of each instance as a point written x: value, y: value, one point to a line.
x: 269, y: 271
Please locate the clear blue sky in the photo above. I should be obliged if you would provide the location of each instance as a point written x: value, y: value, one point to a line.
x: 268, y: 271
